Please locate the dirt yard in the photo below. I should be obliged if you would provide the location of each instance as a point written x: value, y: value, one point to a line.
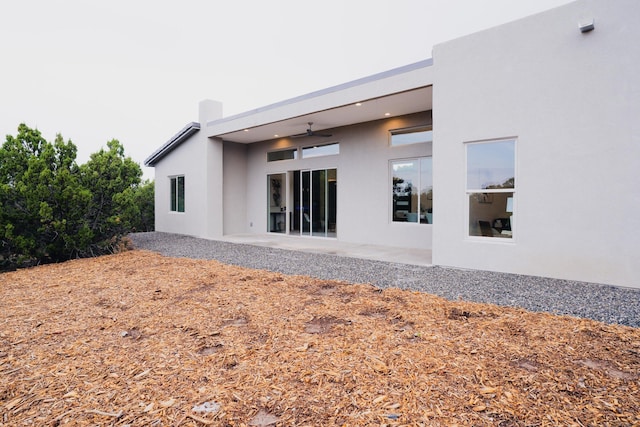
x: 137, y: 339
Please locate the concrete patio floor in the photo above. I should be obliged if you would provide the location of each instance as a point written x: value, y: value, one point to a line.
x: 334, y: 247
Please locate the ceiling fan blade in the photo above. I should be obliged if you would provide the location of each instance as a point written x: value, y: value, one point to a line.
x: 310, y: 133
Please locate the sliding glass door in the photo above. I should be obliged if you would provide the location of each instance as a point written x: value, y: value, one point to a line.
x: 314, y: 199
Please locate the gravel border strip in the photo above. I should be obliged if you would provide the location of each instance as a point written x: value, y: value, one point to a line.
x: 609, y: 304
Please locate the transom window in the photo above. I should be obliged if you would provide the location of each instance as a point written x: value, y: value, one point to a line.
x: 321, y: 150
x: 411, y: 136
x: 177, y: 193
x: 491, y: 187
x: 275, y: 156
x: 412, y: 190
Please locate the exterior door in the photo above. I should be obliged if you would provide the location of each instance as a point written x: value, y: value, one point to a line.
x: 315, y: 203
x: 276, y: 205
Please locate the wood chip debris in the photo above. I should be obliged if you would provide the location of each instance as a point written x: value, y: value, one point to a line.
x: 266, y: 349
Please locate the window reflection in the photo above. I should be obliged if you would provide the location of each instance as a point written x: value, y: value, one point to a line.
x: 290, y: 154
x: 412, y: 190
x: 321, y: 150
x: 491, y: 165
x: 491, y: 188
x: 411, y: 136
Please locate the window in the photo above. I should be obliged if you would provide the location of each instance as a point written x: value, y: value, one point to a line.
x: 412, y: 190
x: 321, y: 150
x: 275, y: 156
x: 411, y: 136
x: 177, y: 194
x: 491, y: 187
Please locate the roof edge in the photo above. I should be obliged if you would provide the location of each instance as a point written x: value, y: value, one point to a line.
x: 379, y: 76
x: 172, y: 143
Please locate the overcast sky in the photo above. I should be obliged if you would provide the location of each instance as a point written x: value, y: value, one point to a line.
x: 135, y: 70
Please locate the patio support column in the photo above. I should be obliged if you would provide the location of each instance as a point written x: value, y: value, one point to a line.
x: 213, y: 227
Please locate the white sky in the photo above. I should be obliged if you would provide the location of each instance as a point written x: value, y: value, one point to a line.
x: 135, y: 70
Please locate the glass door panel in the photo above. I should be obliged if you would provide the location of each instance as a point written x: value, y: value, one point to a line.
x: 305, y: 198
x: 314, y: 201
x: 319, y: 205
x: 332, y: 192
x: 276, y: 205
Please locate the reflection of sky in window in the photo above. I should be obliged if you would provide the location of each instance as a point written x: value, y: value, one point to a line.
x: 411, y: 137
x: 407, y: 172
x: 426, y: 175
x: 414, y: 172
x: 404, y: 167
x: 322, y: 150
x: 490, y: 164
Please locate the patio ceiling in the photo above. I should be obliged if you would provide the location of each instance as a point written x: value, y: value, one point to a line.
x: 393, y: 105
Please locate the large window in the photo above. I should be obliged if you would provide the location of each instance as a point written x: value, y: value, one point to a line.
x: 491, y: 187
x: 177, y: 194
x: 412, y: 190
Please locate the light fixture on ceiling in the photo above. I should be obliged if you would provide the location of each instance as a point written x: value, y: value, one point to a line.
x: 387, y: 114
x: 358, y: 104
x: 246, y: 130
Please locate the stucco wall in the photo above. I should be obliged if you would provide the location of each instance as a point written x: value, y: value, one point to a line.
x: 187, y: 159
x: 572, y: 100
x: 235, y: 188
x: 363, y: 181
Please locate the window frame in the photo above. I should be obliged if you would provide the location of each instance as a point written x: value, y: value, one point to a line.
x: 486, y: 195
x: 174, y: 193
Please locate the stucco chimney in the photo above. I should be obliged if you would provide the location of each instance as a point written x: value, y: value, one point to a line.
x: 209, y: 110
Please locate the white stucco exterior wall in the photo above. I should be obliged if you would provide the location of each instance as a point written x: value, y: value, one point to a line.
x: 235, y: 188
x: 187, y: 160
x: 572, y: 101
x: 199, y: 160
x: 363, y: 181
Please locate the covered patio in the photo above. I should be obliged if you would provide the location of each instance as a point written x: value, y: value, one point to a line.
x: 410, y: 256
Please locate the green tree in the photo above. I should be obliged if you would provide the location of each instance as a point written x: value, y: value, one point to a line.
x: 113, y: 180
x: 51, y: 209
x: 144, y: 199
x: 42, y: 201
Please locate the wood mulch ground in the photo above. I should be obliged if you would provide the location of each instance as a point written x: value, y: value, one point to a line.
x: 138, y: 339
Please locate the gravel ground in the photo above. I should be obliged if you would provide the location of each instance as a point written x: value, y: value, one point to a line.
x: 604, y: 303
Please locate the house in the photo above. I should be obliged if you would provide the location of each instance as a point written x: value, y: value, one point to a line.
x: 515, y: 149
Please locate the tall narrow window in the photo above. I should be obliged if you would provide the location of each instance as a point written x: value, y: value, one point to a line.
x: 177, y: 194
x: 491, y: 187
x: 412, y: 190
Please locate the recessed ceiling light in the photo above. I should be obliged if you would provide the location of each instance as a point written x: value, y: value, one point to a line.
x: 387, y: 114
x: 246, y: 130
x: 276, y: 135
x: 358, y: 104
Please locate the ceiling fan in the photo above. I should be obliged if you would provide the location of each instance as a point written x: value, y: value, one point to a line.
x: 310, y: 132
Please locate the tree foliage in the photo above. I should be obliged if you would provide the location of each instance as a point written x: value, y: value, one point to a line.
x: 52, y: 210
